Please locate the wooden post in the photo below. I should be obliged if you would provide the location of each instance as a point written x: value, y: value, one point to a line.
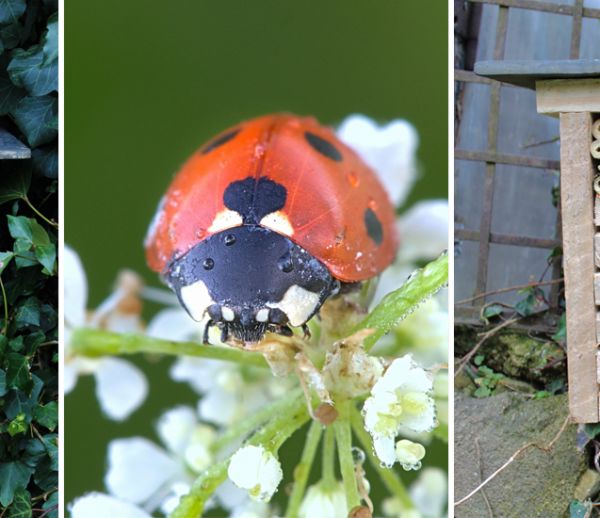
x: 577, y: 175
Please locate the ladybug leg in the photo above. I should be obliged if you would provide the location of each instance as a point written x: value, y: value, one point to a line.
x: 306, y: 335
x: 209, y: 324
x: 224, y: 333
x: 285, y: 331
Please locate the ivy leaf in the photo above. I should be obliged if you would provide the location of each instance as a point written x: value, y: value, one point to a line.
x: 17, y: 371
x: 13, y: 475
x: 28, y: 313
x: 45, y: 161
x: 27, y: 70
x: 15, y: 184
x: 11, y: 10
x: 5, y: 258
x: 36, y: 118
x: 3, y: 389
x: 47, y: 415
x: 21, y: 506
x: 30, y: 235
x: 579, y: 509
x: 561, y: 330
x: 51, y: 505
x: 10, y: 95
x: 50, y: 40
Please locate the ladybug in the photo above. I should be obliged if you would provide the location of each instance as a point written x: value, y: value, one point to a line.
x: 265, y: 222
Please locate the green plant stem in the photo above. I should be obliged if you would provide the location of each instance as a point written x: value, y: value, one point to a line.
x: 343, y: 438
x: 328, y: 468
x: 40, y: 215
x: 400, y: 303
x: 96, y: 342
x: 302, y: 470
x: 271, y: 436
x: 390, y: 479
x: 252, y: 422
x: 5, y: 302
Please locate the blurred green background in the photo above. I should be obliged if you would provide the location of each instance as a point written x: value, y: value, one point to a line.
x: 146, y: 84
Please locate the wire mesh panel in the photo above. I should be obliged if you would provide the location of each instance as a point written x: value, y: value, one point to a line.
x: 507, y: 218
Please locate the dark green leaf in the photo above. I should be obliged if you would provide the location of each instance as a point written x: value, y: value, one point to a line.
x: 47, y: 415
x: 16, y: 344
x: 51, y: 506
x: 13, y: 475
x: 28, y: 70
x: 11, y: 10
x: 592, y: 430
x: 561, y: 330
x: 5, y: 258
x: 3, y: 388
x: 11, y: 35
x: 36, y: 118
x: 15, y: 184
x: 578, y: 509
x: 28, y: 313
x: 50, y: 40
x: 46, y: 255
x: 17, y: 371
x: 493, y: 310
x: 45, y: 160
x: 10, y: 95
x: 21, y: 506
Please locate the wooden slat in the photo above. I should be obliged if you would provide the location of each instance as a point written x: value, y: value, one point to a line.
x: 568, y: 95
x: 578, y: 233
x: 598, y: 327
x: 597, y: 252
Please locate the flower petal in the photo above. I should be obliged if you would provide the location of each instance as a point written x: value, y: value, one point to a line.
x: 174, y: 324
x: 424, y: 231
x: 120, y: 387
x: 137, y: 469
x: 75, y: 290
x: 257, y: 470
x: 320, y: 501
x: 99, y: 505
x: 175, y: 427
x: 430, y: 492
x: 384, y: 449
x: 390, y: 150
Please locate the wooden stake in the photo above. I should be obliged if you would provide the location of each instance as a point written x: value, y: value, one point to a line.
x: 577, y: 175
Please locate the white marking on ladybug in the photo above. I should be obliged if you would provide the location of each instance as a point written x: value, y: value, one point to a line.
x: 224, y: 220
x: 228, y: 314
x: 154, y: 223
x: 298, y: 304
x: 262, y: 315
x: 196, y: 299
x: 278, y: 222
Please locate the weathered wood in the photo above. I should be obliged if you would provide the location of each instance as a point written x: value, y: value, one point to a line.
x: 11, y: 148
x: 597, y: 288
x: 598, y: 368
x: 597, y: 253
x: 578, y: 235
x: 598, y: 328
x: 568, y: 95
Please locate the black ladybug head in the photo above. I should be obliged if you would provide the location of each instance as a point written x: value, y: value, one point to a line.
x: 249, y: 280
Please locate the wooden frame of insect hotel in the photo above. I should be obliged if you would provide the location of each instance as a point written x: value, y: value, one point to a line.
x: 570, y: 90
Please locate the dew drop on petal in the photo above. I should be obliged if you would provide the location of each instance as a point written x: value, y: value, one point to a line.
x: 358, y: 456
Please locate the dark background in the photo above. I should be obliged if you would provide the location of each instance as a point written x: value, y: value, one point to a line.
x: 145, y: 87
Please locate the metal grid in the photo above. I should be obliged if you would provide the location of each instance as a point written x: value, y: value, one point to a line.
x: 467, y: 21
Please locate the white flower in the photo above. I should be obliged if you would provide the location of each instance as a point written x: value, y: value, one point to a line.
x: 390, y: 150
x: 99, y: 505
x: 120, y: 386
x: 429, y: 494
x: 324, y: 501
x: 423, y: 231
x: 401, y: 397
x: 161, y: 476
x: 257, y: 470
x: 410, y: 454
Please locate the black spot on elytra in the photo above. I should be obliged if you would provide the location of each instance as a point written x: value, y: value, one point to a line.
x: 323, y: 146
x: 374, y: 228
x: 219, y: 141
x: 254, y: 199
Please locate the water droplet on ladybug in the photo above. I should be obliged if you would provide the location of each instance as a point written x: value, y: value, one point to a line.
x: 229, y: 240
x: 208, y: 264
x: 285, y: 263
x: 352, y: 178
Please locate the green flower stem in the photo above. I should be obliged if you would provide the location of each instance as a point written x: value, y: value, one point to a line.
x: 96, y: 342
x: 271, y: 436
x: 328, y: 470
x: 343, y: 437
x: 252, y: 422
x: 400, y: 303
x: 390, y: 479
x: 302, y: 470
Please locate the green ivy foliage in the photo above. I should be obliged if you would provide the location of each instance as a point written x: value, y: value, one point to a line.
x: 29, y: 77
x: 28, y: 261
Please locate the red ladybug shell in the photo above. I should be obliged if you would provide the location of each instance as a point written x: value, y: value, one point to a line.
x: 335, y: 207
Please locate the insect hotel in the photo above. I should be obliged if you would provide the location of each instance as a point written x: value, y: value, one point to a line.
x: 570, y: 90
